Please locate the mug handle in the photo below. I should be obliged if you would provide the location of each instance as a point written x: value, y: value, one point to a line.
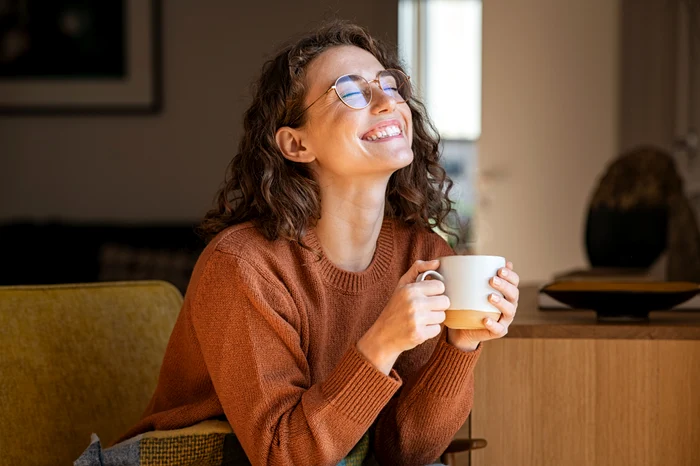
x: 429, y: 273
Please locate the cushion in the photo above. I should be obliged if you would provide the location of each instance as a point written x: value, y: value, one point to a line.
x: 209, y: 443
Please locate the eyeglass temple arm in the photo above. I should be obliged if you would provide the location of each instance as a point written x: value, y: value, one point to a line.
x: 319, y: 98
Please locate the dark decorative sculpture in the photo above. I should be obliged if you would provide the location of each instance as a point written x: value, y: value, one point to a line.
x: 638, y: 211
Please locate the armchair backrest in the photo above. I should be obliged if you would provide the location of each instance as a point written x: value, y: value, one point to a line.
x: 77, y: 359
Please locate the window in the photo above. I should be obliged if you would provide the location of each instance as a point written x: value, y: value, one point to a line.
x: 440, y: 42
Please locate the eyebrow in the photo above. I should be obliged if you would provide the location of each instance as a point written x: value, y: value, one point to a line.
x: 371, y: 78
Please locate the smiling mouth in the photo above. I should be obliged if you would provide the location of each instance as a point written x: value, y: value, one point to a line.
x: 383, y: 133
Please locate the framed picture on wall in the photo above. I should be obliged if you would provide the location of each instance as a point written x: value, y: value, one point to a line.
x: 80, y: 56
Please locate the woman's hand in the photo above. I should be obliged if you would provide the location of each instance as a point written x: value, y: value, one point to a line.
x: 507, y: 283
x: 412, y: 315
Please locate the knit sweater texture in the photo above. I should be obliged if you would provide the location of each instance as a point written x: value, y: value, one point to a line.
x: 267, y: 338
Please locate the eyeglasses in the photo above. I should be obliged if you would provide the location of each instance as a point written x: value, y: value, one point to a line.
x: 356, y: 92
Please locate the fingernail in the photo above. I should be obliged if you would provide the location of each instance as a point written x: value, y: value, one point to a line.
x: 496, y: 281
x: 488, y: 321
x: 495, y: 298
x: 504, y: 272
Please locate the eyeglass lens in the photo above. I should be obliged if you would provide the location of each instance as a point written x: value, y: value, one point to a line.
x: 356, y: 92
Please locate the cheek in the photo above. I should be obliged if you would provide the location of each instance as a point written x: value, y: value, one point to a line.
x: 336, y: 136
x: 410, y: 134
x: 345, y: 125
x: 408, y: 116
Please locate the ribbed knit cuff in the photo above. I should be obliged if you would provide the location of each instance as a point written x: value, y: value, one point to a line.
x: 358, y: 389
x: 448, y: 370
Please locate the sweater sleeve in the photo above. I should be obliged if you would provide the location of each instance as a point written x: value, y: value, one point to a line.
x: 249, y: 331
x: 419, y: 424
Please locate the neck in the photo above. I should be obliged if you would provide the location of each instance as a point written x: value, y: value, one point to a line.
x: 350, y: 223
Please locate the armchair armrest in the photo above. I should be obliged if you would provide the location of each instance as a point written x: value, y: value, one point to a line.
x: 459, y: 446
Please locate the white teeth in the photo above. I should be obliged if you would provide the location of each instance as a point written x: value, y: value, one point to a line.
x: 384, y: 132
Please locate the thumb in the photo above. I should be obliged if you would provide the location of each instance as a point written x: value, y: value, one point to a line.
x: 416, y: 269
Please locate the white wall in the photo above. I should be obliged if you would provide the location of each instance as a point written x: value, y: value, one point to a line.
x: 550, y: 124
x: 164, y: 167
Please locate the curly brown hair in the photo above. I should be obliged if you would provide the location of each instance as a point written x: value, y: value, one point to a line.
x: 280, y: 197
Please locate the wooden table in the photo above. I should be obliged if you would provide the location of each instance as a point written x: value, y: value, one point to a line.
x: 562, y: 389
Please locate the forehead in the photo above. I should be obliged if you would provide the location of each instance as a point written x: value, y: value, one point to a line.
x: 340, y: 60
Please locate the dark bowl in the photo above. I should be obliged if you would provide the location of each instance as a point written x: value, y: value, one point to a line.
x: 619, y: 303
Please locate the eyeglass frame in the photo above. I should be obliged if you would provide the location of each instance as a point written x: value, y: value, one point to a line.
x: 334, y: 87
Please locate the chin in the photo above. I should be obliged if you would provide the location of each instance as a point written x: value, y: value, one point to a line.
x: 405, y: 153
x: 401, y: 159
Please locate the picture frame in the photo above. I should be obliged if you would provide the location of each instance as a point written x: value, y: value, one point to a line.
x: 77, y: 58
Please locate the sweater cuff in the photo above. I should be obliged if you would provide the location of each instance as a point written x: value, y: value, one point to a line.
x: 448, y: 370
x: 358, y: 389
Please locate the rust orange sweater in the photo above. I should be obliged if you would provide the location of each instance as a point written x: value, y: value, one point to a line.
x: 267, y: 336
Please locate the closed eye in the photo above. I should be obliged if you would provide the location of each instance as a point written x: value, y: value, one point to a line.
x: 351, y: 94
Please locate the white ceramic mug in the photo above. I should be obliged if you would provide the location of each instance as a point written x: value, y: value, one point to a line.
x: 466, y: 280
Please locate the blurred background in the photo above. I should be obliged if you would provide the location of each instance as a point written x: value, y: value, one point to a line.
x: 119, y: 117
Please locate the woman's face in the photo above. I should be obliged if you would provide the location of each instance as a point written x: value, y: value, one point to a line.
x: 343, y: 140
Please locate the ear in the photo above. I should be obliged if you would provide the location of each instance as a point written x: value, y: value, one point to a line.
x: 291, y: 143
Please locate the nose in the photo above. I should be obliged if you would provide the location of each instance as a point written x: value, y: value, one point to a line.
x: 381, y: 101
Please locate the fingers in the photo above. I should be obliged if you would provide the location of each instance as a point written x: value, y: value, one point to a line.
x: 437, y: 303
x: 423, y: 266
x: 416, y: 269
x: 496, y: 329
x: 508, y: 274
x: 507, y: 283
x: 428, y: 287
x: 432, y: 331
x: 434, y: 318
x: 506, y: 286
x: 506, y: 307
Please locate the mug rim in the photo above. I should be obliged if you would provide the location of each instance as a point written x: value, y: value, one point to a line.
x: 473, y: 255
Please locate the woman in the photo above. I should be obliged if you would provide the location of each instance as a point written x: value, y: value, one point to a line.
x: 303, y: 324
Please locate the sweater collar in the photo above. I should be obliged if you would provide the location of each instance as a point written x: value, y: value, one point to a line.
x: 355, y: 282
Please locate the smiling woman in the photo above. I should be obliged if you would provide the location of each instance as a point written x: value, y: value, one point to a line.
x: 303, y: 325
